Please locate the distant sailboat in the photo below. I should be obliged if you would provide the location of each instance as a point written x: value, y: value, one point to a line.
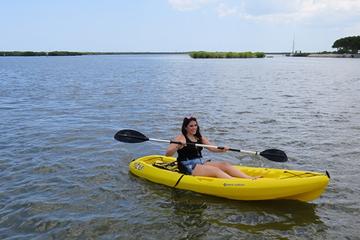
x: 293, y: 48
x: 296, y: 53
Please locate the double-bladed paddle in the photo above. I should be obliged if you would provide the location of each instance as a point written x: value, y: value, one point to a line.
x: 132, y: 136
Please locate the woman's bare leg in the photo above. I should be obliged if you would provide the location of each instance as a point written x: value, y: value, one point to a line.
x: 209, y: 171
x: 229, y: 169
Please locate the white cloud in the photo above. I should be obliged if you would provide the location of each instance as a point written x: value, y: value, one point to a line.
x: 299, y: 10
x: 188, y: 5
x: 281, y: 11
x: 224, y: 10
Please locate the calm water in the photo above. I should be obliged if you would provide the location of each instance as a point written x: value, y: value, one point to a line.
x: 63, y: 176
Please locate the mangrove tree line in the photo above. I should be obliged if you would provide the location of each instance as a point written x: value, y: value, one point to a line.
x: 204, y: 54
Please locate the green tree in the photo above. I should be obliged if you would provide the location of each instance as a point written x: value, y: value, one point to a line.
x: 347, y: 44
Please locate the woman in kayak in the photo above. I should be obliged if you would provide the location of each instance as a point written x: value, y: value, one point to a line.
x: 190, y: 159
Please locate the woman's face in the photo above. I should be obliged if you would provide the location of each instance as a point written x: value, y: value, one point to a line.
x: 191, y: 128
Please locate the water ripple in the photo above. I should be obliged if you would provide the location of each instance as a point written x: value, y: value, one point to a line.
x: 63, y: 176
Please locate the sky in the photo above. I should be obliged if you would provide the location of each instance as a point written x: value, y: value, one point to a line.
x: 176, y: 25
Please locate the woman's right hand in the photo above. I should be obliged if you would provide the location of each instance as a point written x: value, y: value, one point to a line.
x: 173, y: 147
x: 180, y: 146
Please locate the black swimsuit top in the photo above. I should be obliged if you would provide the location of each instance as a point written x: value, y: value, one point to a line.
x: 189, y: 152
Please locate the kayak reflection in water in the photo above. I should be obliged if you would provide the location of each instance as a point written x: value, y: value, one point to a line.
x: 190, y: 160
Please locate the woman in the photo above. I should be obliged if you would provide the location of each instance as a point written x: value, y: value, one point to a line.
x: 190, y: 159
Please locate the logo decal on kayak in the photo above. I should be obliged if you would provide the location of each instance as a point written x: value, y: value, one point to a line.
x: 138, y: 166
x: 233, y: 184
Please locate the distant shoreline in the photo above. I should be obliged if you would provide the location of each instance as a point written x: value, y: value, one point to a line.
x: 73, y: 53
x: 325, y: 55
x: 193, y: 54
x: 70, y: 53
x: 205, y: 54
x: 335, y: 55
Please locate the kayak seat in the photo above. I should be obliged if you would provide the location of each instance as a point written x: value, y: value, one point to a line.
x: 171, y: 166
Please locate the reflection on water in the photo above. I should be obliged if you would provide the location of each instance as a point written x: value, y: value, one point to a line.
x: 189, y: 214
x: 199, y: 215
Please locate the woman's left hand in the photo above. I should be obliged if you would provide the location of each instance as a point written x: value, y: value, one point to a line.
x: 224, y: 149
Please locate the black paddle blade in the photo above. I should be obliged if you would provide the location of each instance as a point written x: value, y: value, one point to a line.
x: 275, y: 155
x: 130, y: 136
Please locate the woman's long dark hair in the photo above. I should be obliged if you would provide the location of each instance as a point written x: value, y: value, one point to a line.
x: 186, y: 122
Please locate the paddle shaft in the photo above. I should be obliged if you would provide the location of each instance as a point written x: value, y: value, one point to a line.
x: 132, y: 136
x: 203, y: 145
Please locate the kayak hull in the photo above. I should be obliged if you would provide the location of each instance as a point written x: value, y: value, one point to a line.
x: 273, y: 184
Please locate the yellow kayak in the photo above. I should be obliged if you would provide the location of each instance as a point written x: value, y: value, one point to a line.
x: 274, y: 184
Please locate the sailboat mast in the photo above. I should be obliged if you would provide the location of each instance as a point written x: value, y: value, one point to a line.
x: 293, y: 45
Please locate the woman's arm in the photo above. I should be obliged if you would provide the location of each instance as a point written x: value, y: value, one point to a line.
x: 173, y: 147
x: 207, y: 142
